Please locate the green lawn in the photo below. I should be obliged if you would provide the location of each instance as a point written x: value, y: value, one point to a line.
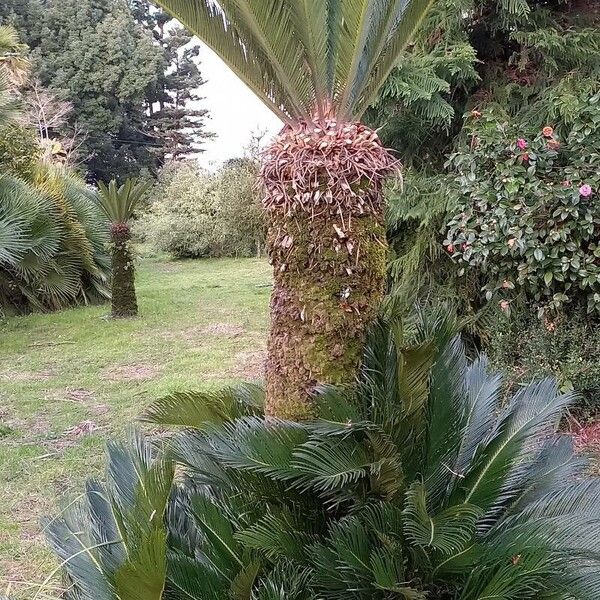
x: 70, y: 380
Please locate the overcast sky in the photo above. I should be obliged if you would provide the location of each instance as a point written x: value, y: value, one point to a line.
x: 235, y: 111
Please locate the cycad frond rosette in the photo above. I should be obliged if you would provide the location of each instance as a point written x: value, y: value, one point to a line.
x: 317, y: 64
x: 420, y: 482
x: 119, y: 204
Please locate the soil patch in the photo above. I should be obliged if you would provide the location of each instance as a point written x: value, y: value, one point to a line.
x: 228, y: 330
x: 19, y: 376
x: 587, y: 437
x: 136, y: 372
x: 250, y: 365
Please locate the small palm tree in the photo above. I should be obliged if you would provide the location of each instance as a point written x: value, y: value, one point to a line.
x: 417, y: 483
x: 119, y: 203
x: 52, y: 242
x: 14, y: 68
x: 318, y: 64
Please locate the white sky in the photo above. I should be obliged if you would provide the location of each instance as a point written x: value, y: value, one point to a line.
x: 235, y: 112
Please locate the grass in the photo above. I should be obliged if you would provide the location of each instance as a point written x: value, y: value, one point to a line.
x: 71, y: 379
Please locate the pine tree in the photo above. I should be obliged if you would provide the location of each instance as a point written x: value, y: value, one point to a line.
x: 179, y: 124
x: 129, y: 72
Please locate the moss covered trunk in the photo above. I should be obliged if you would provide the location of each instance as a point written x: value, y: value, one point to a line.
x: 124, y: 301
x: 327, y: 244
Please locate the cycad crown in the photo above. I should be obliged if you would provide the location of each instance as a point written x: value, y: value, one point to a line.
x: 119, y: 202
x: 306, y: 58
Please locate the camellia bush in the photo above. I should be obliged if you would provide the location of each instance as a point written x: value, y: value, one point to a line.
x: 527, y: 211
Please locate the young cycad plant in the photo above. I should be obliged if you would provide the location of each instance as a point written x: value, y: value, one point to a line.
x: 317, y: 64
x: 119, y: 203
x: 416, y: 483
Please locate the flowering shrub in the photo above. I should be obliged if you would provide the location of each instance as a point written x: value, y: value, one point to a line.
x: 527, y: 208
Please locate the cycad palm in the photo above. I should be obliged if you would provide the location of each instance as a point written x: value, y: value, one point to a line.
x: 119, y: 203
x: 318, y: 64
x: 418, y: 483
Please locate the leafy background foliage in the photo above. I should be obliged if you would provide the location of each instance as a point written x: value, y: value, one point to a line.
x: 126, y: 75
x: 195, y: 214
x: 52, y: 233
x: 523, y: 65
x: 520, y: 217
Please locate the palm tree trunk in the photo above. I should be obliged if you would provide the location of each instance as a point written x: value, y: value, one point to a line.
x: 124, y: 302
x: 327, y: 244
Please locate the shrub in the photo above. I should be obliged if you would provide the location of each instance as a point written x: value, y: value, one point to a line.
x: 240, y: 208
x: 528, y: 207
x: 416, y: 483
x: 19, y: 151
x: 524, y: 347
x: 196, y: 214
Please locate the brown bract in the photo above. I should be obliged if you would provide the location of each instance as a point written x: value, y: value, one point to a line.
x: 119, y: 229
x: 316, y: 164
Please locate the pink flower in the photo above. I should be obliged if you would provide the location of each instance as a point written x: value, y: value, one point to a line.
x: 585, y: 190
x: 504, y: 304
x: 450, y: 248
x: 521, y: 143
x: 547, y: 131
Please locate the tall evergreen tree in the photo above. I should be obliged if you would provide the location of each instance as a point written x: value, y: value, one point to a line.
x: 96, y: 55
x: 178, y: 123
x: 129, y: 74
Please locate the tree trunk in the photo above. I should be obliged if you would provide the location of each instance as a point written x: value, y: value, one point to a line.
x: 327, y: 244
x: 124, y: 302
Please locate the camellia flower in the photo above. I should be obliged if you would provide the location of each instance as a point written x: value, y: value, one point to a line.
x: 450, y: 248
x: 585, y: 190
x: 522, y: 143
x: 566, y: 183
x: 525, y: 157
x: 553, y: 144
x: 504, y: 304
x: 475, y: 114
x: 547, y: 131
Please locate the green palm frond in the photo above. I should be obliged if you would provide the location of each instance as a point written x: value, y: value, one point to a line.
x: 120, y: 202
x: 13, y: 71
x: 115, y: 538
x: 13, y: 60
x: 199, y: 409
x: 306, y: 57
x: 9, y: 104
